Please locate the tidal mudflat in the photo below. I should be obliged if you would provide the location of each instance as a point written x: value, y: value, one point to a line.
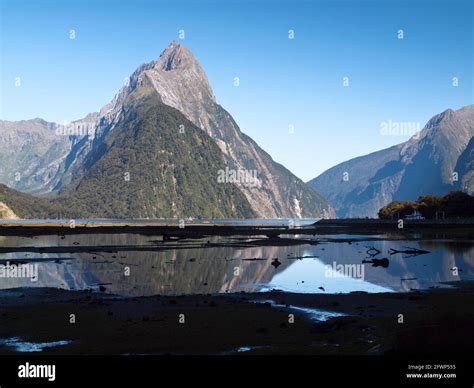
x: 296, y: 293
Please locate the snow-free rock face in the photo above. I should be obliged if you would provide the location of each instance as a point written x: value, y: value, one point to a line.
x: 181, y: 83
x: 465, y: 168
x: 30, y: 154
x: 6, y: 213
x: 34, y: 153
x: 436, y: 161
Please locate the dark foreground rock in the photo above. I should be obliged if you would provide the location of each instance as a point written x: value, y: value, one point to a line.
x: 235, y: 323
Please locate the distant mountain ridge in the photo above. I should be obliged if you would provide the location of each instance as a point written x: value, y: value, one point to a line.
x: 465, y: 168
x: 435, y: 161
x: 31, y: 154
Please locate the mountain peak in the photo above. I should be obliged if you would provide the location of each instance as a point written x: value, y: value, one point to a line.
x: 444, y: 116
x: 176, y: 56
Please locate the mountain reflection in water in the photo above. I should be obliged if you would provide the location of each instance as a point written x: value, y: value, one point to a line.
x: 218, y: 264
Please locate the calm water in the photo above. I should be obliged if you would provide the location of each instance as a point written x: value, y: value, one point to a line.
x: 218, y: 265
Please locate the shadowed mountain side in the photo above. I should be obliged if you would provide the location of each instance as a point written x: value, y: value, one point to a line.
x: 30, y: 154
x: 364, y: 190
x: 425, y: 164
x: 34, y: 153
x: 465, y: 169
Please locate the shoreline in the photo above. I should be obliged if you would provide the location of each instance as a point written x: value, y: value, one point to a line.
x: 242, y: 323
x: 173, y: 229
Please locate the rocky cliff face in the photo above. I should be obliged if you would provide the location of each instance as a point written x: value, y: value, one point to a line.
x: 6, y: 213
x: 426, y: 164
x: 180, y: 82
x: 465, y: 169
x: 34, y: 153
x: 31, y: 154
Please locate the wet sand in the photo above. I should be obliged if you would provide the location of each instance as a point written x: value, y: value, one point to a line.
x: 436, y: 321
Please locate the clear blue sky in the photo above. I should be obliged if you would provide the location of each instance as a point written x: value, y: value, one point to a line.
x: 282, y: 81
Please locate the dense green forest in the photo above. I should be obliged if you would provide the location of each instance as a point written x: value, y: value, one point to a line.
x: 456, y: 204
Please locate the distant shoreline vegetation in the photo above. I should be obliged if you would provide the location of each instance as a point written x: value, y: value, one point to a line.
x: 456, y: 204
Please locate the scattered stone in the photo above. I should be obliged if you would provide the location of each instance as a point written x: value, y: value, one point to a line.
x: 276, y: 263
